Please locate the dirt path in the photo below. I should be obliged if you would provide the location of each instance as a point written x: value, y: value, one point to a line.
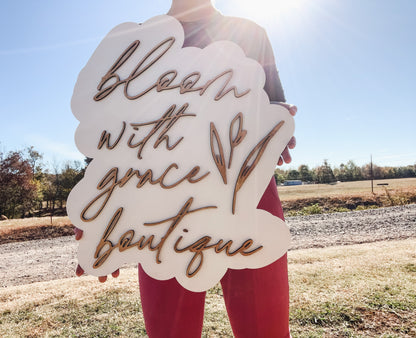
x: 48, y: 259
x: 353, y: 227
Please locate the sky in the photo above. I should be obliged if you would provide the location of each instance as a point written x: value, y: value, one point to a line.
x: 349, y: 66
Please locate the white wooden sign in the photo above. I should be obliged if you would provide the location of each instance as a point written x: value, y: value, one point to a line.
x: 184, y: 142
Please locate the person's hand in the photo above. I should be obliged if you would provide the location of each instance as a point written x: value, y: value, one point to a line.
x: 291, y: 107
x: 285, y: 156
x: 80, y: 271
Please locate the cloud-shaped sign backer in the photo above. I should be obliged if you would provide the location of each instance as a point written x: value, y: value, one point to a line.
x: 184, y: 142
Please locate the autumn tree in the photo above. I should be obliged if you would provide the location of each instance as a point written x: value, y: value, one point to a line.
x: 35, y: 160
x: 305, y: 174
x: 71, y: 174
x: 279, y: 176
x: 292, y: 175
x: 370, y: 171
x: 17, y: 186
x: 324, y: 173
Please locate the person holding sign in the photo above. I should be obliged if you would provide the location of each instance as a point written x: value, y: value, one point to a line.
x: 257, y: 300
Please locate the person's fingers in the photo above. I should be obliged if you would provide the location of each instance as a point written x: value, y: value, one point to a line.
x: 291, y: 107
x: 286, y: 155
x: 78, y: 233
x: 280, y: 161
x: 292, y: 143
x: 293, y: 110
x: 79, y: 271
x: 102, y: 279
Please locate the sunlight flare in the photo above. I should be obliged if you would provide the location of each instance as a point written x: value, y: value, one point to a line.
x: 270, y: 9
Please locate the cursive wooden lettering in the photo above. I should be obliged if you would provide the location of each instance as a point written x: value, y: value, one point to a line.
x: 164, y: 81
x: 125, y: 241
x: 202, y: 244
x: 252, y: 160
x: 240, y: 134
x: 167, y: 121
x: 154, y: 55
x: 105, y: 138
x: 217, y: 152
x: 104, y: 242
x: 110, y: 75
x: 110, y: 181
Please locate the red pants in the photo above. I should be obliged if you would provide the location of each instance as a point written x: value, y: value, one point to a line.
x: 257, y: 300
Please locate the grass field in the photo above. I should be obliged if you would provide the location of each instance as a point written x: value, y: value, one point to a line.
x: 16, y: 230
x: 33, y: 221
x: 344, y: 188
x: 346, y: 196
x: 365, y: 290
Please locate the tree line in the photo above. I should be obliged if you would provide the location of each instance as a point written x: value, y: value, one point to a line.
x: 344, y: 172
x: 28, y: 188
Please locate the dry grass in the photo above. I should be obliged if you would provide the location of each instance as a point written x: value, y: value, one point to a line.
x: 346, y: 196
x: 350, y: 291
x: 16, y: 230
x: 363, y: 290
x: 33, y: 221
x: 79, y: 307
x: 344, y: 188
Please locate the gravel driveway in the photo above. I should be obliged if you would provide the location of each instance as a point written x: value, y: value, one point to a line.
x: 49, y: 259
